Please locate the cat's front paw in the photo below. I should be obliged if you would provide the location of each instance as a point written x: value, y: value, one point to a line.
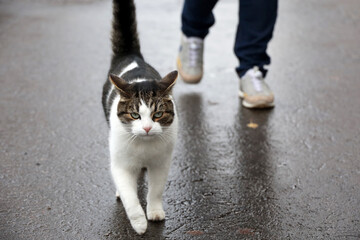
x: 139, y: 224
x: 156, y: 215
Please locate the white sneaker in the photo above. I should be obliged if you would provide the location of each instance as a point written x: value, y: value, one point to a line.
x: 254, y: 91
x: 190, y: 59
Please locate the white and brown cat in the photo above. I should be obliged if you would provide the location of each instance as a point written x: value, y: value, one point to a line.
x: 140, y: 110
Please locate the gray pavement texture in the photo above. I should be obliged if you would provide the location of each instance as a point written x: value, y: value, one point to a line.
x: 295, y: 176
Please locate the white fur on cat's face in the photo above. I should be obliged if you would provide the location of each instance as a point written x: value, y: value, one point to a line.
x: 145, y: 126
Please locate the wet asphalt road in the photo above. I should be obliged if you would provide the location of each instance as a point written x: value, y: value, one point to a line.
x: 295, y: 176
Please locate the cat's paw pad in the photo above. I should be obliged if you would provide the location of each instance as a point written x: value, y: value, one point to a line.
x: 139, y: 224
x: 156, y: 215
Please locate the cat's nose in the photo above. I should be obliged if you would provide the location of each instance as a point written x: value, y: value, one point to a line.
x: 147, y: 129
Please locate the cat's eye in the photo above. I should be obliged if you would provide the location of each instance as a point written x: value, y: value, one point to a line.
x: 158, y: 114
x: 134, y: 115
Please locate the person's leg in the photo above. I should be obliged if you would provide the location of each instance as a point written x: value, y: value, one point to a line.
x: 197, y: 17
x: 256, y: 24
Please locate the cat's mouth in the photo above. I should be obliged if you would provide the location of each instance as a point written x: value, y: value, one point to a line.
x: 147, y: 136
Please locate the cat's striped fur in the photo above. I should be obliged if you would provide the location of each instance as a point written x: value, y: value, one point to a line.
x: 140, y: 110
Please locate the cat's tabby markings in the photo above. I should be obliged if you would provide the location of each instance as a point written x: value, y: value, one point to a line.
x: 140, y: 110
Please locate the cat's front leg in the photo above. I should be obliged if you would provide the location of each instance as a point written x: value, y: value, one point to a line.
x: 126, y: 185
x: 157, y: 180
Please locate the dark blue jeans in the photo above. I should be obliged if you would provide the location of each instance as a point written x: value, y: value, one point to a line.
x: 255, y: 29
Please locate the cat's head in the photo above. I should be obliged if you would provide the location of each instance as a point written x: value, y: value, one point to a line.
x: 145, y: 108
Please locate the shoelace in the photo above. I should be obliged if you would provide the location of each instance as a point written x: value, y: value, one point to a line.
x: 194, y: 52
x: 256, y: 78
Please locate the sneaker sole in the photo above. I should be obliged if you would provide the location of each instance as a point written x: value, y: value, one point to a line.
x: 255, y: 105
x: 185, y: 77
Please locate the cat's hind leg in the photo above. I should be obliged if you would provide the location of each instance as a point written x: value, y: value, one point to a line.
x: 126, y: 185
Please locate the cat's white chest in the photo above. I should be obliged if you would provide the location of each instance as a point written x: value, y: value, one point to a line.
x: 139, y: 153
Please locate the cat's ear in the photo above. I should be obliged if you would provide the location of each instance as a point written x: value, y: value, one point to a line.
x: 168, y: 81
x: 120, y: 84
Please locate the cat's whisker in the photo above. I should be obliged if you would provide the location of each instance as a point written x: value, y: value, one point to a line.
x: 162, y: 139
x: 131, y: 141
x: 169, y: 134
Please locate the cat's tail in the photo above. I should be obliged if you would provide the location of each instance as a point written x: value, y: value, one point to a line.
x: 125, y: 40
